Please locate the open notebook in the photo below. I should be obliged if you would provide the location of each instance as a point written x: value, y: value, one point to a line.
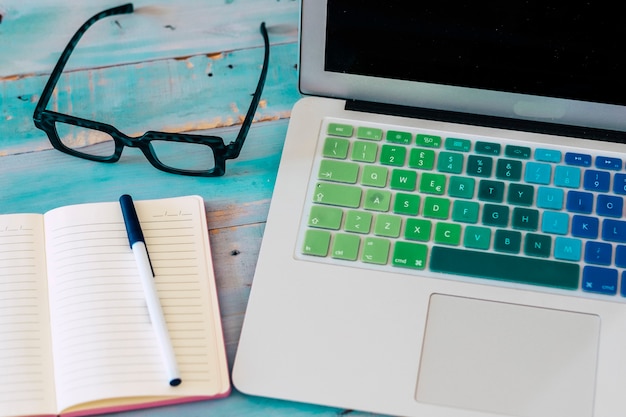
x: 75, y: 333
x: 447, y: 232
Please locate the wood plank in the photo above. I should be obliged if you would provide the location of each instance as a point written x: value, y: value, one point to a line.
x: 34, y: 33
x: 193, y: 93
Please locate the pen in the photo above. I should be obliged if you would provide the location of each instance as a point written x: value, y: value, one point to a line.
x: 138, y: 245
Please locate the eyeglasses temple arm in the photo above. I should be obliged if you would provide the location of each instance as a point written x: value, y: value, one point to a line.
x: 234, y: 148
x: 65, y: 55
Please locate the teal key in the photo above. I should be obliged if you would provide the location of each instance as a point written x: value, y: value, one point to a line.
x: 460, y: 145
x: 465, y: 211
x: 325, y: 217
x: 507, y: 241
x: 567, y: 176
x: 537, y: 245
x: 555, y: 222
x: 538, y: 173
x: 339, y: 171
x: 450, y: 162
x: 462, y: 187
x: 548, y: 155
x: 567, y: 249
x: 337, y: 194
x: 477, y: 237
x: 550, y: 198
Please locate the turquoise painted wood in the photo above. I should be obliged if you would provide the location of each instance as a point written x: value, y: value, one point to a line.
x: 184, y: 66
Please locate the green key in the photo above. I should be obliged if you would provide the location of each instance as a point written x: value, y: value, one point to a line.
x: 436, y: 208
x: 451, y: 162
x: 407, y: 204
x: 378, y: 200
x: 422, y: 159
x: 409, y: 255
x: 388, y: 225
x: 455, y: 144
x: 325, y: 217
x: 316, y: 242
x: 462, y: 187
x: 375, y: 176
x: 399, y: 137
x: 369, y: 133
x: 403, y: 180
x: 477, y: 237
x: 465, y: 211
x: 418, y: 229
x: 375, y: 250
x: 433, y: 183
x: 338, y: 171
x: 346, y: 247
x: 336, y: 148
x: 338, y: 129
x: 358, y: 221
x: 429, y: 141
x: 448, y: 233
x: 364, y: 151
x: 393, y: 155
x: 337, y: 194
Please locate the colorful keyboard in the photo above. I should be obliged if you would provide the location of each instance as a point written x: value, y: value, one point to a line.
x: 447, y: 205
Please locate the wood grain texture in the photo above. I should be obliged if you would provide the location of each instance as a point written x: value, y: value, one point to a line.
x: 189, y: 65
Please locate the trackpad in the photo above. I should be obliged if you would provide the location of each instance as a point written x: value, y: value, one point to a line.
x: 508, y: 359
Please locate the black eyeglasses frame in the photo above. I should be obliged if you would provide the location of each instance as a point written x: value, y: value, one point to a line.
x: 46, y: 119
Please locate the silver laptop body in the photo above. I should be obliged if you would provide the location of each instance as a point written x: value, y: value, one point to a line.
x: 445, y: 236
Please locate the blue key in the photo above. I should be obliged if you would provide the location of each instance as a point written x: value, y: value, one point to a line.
x: 598, y: 253
x: 619, y: 184
x: 567, y: 249
x: 586, y: 227
x: 565, y: 176
x: 600, y: 280
x: 623, y: 283
x: 606, y: 162
x: 555, y: 222
x: 597, y: 181
x: 578, y: 159
x: 548, y: 155
x: 610, y: 205
x: 579, y: 202
x: 537, y: 173
x: 614, y: 231
x: 620, y: 256
x: 550, y: 198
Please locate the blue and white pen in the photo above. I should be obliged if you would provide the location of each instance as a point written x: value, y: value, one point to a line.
x: 138, y: 245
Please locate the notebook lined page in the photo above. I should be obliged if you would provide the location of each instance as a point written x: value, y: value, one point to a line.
x: 105, y: 346
x: 26, y: 386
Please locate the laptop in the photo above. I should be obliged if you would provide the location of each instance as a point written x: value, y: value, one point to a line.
x: 447, y: 234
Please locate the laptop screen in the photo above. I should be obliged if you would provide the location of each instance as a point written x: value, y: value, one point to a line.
x: 570, y: 50
x: 553, y: 62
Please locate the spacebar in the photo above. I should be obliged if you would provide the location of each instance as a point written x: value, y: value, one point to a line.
x: 535, y: 271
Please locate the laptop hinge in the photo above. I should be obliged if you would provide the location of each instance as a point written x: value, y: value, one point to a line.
x: 489, y: 121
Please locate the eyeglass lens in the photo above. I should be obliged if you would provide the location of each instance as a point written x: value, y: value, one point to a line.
x: 185, y: 156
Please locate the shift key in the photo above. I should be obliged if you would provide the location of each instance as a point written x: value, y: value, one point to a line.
x: 337, y: 195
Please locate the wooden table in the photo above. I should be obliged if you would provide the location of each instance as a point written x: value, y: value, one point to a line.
x: 184, y: 66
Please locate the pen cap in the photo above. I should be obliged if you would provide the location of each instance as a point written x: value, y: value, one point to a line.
x: 133, y: 228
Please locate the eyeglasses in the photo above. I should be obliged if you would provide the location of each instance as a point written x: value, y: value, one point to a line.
x: 177, y: 153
